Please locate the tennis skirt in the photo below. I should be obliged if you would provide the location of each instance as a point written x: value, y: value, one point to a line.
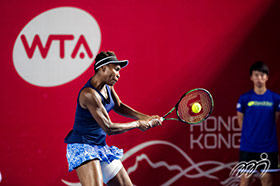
x: 78, y: 153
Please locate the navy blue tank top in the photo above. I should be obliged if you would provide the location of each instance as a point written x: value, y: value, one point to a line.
x: 86, y: 129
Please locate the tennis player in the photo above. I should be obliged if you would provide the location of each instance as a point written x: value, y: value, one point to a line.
x: 258, y: 112
x: 87, y: 152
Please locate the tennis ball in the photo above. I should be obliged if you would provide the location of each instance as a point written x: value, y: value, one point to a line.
x: 196, y: 108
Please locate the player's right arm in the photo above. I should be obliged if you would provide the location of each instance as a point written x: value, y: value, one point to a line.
x: 91, y: 100
x: 240, y: 117
x: 277, y: 117
x: 240, y: 111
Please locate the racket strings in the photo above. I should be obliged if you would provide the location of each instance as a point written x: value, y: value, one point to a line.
x: 185, y: 112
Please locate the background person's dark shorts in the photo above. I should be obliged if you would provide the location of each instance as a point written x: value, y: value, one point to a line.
x: 271, y: 156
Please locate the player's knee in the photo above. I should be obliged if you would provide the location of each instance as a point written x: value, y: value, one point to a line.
x: 245, y: 180
x: 267, y: 179
x: 121, y: 179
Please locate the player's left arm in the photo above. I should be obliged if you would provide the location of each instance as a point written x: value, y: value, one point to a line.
x: 277, y: 110
x: 240, y: 117
x: 277, y: 117
x: 125, y: 110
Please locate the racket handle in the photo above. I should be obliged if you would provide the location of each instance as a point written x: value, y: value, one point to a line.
x: 161, y: 119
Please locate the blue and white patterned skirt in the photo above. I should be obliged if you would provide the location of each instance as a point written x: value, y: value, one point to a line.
x: 77, y: 153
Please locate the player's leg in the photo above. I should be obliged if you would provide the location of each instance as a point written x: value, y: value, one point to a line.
x: 246, y: 180
x: 121, y: 179
x: 267, y: 179
x: 90, y: 173
x: 114, y: 174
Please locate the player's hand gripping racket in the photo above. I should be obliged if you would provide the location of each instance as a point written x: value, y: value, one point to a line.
x: 193, y: 107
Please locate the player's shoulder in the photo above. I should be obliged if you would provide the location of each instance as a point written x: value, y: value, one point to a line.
x: 247, y: 94
x: 89, y: 94
x: 274, y: 94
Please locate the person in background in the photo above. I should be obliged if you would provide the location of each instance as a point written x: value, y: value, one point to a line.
x: 257, y: 114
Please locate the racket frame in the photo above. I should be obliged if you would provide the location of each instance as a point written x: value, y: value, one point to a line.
x: 177, y: 104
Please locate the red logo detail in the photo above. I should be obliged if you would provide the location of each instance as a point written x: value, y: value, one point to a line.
x: 62, y: 39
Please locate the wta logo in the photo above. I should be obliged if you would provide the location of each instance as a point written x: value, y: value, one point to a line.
x: 56, y: 46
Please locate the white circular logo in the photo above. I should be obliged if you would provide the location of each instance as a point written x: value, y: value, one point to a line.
x: 56, y: 46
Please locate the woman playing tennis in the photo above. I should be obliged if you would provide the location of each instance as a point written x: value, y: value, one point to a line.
x: 87, y: 152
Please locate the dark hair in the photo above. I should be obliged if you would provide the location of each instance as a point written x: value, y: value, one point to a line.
x: 103, y: 55
x: 259, y: 66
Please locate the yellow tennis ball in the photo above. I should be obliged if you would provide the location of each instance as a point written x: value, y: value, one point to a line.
x: 196, y: 108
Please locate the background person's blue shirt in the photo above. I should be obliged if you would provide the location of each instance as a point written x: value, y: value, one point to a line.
x: 259, y: 126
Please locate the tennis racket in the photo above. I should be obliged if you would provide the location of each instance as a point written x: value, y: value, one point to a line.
x: 201, y: 98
